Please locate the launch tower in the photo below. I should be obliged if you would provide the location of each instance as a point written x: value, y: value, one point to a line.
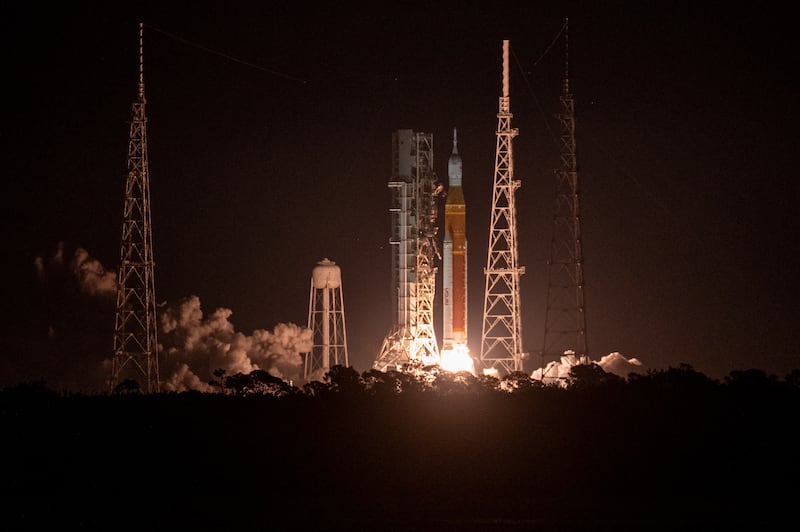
x: 565, y: 315
x: 501, y: 339
x: 326, y: 321
x: 414, y: 189
x: 135, y: 338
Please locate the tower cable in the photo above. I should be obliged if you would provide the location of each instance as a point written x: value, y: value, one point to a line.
x: 226, y: 56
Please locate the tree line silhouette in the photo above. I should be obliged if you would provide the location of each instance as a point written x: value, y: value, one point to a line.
x: 412, y: 450
x: 414, y: 377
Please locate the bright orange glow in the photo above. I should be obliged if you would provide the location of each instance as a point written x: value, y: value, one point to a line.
x: 457, y: 359
x: 491, y: 372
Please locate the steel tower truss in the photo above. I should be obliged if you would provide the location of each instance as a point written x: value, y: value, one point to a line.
x: 565, y: 315
x: 414, y: 213
x: 135, y: 337
x: 501, y: 340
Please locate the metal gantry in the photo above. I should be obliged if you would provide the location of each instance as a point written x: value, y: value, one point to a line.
x: 135, y: 338
x: 501, y: 339
x: 414, y: 212
x: 565, y: 315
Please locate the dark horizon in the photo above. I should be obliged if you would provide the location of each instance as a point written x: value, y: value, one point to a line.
x: 669, y: 451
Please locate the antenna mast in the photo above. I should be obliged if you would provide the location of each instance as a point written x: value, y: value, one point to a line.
x: 501, y: 340
x: 135, y: 341
x: 565, y: 315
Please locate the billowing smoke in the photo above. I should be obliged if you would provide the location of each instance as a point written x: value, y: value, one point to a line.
x: 616, y: 363
x: 619, y: 365
x: 72, y: 348
x: 65, y: 339
x: 91, y: 277
x: 194, y: 347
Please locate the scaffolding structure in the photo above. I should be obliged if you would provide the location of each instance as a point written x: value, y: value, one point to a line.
x: 501, y: 338
x: 326, y: 321
x: 565, y: 315
x: 135, y: 337
x: 414, y: 210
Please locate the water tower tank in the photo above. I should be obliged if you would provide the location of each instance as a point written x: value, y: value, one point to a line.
x: 326, y: 274
x: 326, y: 320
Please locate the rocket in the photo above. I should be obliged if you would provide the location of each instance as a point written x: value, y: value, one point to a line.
x: 454, y: 294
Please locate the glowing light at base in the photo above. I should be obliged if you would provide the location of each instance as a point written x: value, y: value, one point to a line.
x: 491, y: 372
x: 457, y: 359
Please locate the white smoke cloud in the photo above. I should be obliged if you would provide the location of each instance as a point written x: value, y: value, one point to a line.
x: 183, y: 379
x: 66, y: 338
x: 619, y: 365
x: 557, y: 371
x: 91, y: 277
x: 74, y: 344
x: 195, y: 346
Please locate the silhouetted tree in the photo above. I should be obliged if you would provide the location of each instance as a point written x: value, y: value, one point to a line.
x: 591, y: 375
x: 30, y: 388
x: 316, y: 389
x: 258, y: 382
x: 239, y: 383
x: 345, y: 380
x: 264, y: 383
x: 219, y: 383
x: 684, y: 378
x: 381, y: 383
x: 519, y: 381
x: 750, y: 380
x: 448, y: 382
x: 487, y: 383
x: 127, y: 386
x: 410, y: 382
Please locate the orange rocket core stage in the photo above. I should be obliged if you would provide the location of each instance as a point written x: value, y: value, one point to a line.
x: 455, y: 213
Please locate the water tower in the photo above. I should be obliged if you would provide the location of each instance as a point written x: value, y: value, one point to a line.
x: 326, y: 320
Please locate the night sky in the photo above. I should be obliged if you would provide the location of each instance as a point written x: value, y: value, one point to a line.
x: 269, y: 139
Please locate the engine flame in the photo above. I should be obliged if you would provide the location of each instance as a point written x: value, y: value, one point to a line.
x: 457, y: 359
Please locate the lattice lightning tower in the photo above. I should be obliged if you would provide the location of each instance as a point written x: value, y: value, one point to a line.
x: 565, y: 316
x: 135, y: 338
x: 501, y: 340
